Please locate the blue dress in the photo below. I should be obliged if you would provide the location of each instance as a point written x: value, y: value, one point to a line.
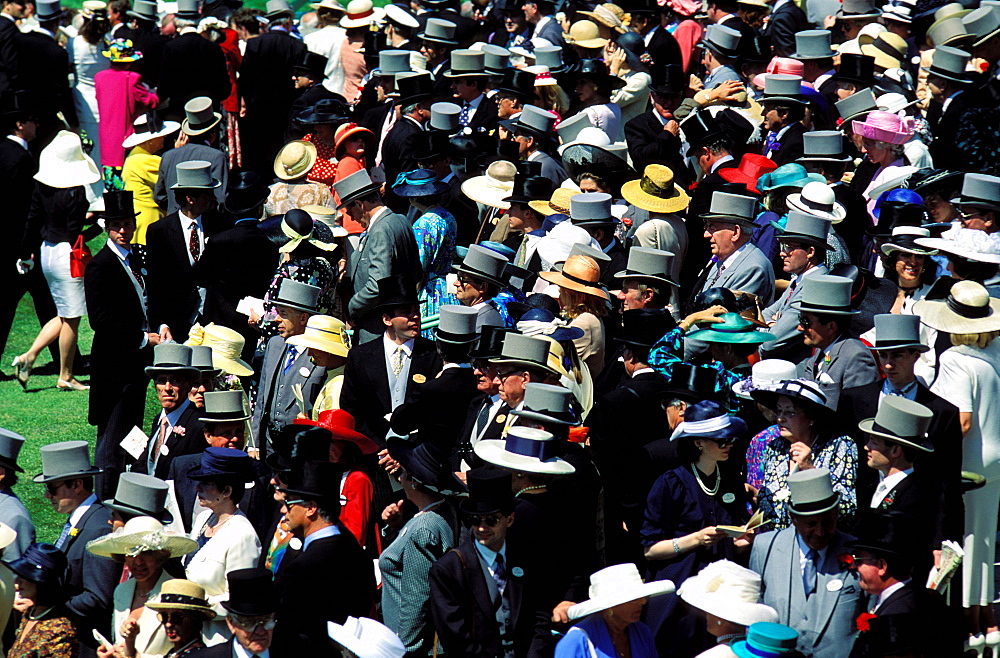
x: 437, y: 236
x: 575, y: 643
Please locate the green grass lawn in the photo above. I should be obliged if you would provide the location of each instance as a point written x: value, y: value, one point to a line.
x: 44, y: 414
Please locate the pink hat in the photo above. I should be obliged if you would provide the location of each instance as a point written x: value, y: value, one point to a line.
x: 682, y: 7
x: 885, y: 127
x: 784, y: 65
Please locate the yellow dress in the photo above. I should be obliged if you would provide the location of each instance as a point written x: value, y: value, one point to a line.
x: 140, y: 173
x: 329, y: 395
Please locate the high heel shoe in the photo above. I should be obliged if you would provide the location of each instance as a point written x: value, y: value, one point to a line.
x: 992, y: 642
x: 975, y: 643
x: 22, y: 370
x: 71, y: 386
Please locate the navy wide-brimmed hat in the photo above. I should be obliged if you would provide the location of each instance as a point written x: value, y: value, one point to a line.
x: 709, y: 420
x: 426, y: 464
x: 420, y: 182
x: 223, y: 463
x: 43, y: 564
x: 537, y: 317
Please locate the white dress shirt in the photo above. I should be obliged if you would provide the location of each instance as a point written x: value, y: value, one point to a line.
x: 886, y: 485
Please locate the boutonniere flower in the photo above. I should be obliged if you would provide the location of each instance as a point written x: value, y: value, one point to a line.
x: 782, y: 494
x: 827, y: 359
x: 863, y: 621
x: 179, y: 430
x: 775, y: 146
x: 888, y: 500
x: 846, y: 560
x: 73, y: 532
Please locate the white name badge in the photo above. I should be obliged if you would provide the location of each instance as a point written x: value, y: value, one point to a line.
x: 729, y: 498
x: 834, y: 585
x: 304, y: 371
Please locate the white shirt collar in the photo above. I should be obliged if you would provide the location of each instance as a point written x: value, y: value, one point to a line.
x: 240, y: 652
x: 641, y: 371
x: 328, y: 531
x: 477, y: 101
x: 721, y: 161
x: 390, y: 347
x: 455, y: 365
x: 731, y: 258
x: 78, y: 513
x: 890, y: 483
x: 187, y: 30
x: 889, y: 591
x: 723, y: 19
x: 186, y: 221
x: 8, y: 17
x: 118, y: 250
x: 15, y: 138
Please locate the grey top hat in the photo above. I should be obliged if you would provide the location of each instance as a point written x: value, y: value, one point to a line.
x: 591, y: 209
x: 189, y: 9
x: 983, y: 22
x: 549, y: 404
x: 467, y: 63
x: 550, y: 56
x: 901, y: 421
x: 733, y: 208
x: 48, y: 10
x: 497, y: 58
x: 824, y: 146
x: 803, y: 227
x: 391, y: 62
x: 648, y: 265
x: 172, y: 357
x: 356, y: 185
x: 199, y: 116
x: 195, y: 175
x: 65, y: 460
x: 483, y: 263
x: 951, y: 64
x: 811, y: 492
x: 826, y: 294
x: 444, y: 116
x: 142, y: 495
x: 783, y: 88
x: 143, y: 10
x: 895, y: 331
x: 722, y: 40
x: 10, y: 447
x: 527, y: 351
x: 581, y: 249
x: 813, y: 44
x: 201, y: 358
x: 858, y: 9
x: 570, y: 128
x: 536, y: 121
x: 278, y: 8
x: 855, y: 105
x: 439, y: 31
x: 979, y: 190
x: 224, y: 407
x: 949, y: 31
x: 297, y: 295
x: 457, y: 324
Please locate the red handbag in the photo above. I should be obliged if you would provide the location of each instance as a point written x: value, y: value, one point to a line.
x: 79, y: 256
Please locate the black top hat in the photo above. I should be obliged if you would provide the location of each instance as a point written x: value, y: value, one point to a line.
x: 517, y: 82
x: 757, y: 49
x: 414, y: 88
x: 490, y: 341
x: 897, y: 213
x: 43, y: 564
x: 396, y: 290
x: 489, y: 492
x: 700, y: 129
x: 692, y: 383
x: 530, y: 188
x: 642, y: 327
x: 326, y: 110
x: 251, y: 592
x: 596, y: 71
x: 315, y: 480
x: 297, y: 444
x: 312, y: 63
x: 118, y: 205
x: 887, y: 534
x: 667, y: 79
x: 427, y: 464
x: 859, y: 69
x: 223, y: 464
x: 246, y: 192
x: 431, y: 145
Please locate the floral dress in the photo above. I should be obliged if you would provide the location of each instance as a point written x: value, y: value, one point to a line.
x: 839, y: 455
x: 52, y: 637
x: 664, y: 354
x: 325, y: 169
x: 315, y: 271
x: 437, y: 236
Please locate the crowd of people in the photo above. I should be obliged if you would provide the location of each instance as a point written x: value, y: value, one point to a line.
x: 506, y: 329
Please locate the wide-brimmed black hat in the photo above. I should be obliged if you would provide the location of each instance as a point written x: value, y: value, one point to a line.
x: 692, y: 383
x: 118, y: 205
x: 489, y: 492
x: 426, y: 464
x: 43, y: 564
x: 396, y: 290
x: 642, y: 327
x: 223, y: 463
x: 326, y: 110
x: 579, y: 159
x: 245, y: 192
x: 251, y: 592
x: 314, y: 480
x: 596, y: 71
x: 296, y: 444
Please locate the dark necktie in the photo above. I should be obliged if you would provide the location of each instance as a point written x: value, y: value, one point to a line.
x: 484, y: 416
x: 136, y: 273
x: 194, y: 245
x: 463, y: 116
x: 500, y: 573
x: 292, y: 353
x: 809, y: 572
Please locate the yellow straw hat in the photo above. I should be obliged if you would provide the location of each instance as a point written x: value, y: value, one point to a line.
x: 585, y: 34
x: 324, y: 333
x: 180, y: 594
x: 294, y: 160
x: 558, y: 204
x: 656, y: 191
x: 227, y: 346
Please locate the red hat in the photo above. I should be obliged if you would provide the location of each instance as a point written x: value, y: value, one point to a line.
x: 341, y: 425
x: 751, y: 168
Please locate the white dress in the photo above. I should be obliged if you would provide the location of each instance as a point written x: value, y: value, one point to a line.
x: 969, y: 378
x: 607, y: 117
x: 87, y: 61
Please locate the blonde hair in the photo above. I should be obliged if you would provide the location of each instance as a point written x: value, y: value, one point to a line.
x: 575, y: 304
x: 553, y: 98
x: 981, y: 341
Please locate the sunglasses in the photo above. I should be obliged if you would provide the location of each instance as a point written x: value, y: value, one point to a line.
x: 804, y: 321
x: 489, y: 520
x: 253, y: 623
x: 504, y: 375
x: 173, y: 617
x: 53, y: 487
x: 723, y: 443
x: 289, y: 503
x: 789, y: 247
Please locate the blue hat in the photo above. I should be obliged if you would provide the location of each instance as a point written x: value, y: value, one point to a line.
x: 500, y: 248
x: 899, y: 195
x: 709, y: 420
x: 545, y: 316
x: 41, y: 563
x: 223, y: 463
x: 767, y: 640
x: 420, y: 182
x: 788, y: 175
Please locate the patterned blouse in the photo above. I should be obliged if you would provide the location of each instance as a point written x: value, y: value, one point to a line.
x: 54, y: 637
x: 325, y: 169
x: 755, y: 455
x: 664, y: 355
x: 315, y: 271
x: 437, y: 236
x: 839, y: 455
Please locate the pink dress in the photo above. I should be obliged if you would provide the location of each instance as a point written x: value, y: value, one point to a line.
x: 121, y: 97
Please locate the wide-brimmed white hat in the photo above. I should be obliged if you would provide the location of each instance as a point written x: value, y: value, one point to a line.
x: 554, y: 246
x: 494, y: 186
x: 765, y: 375
x: 968, y: 309
x: 146, y: 130
x: 525, y: 449
x: 968, y: 243
x: 616, y: 585
x: 366, y: 638
x: 728, y: 591
x: 63, y: 163
x: 361, y: 13
x: 819, y: 200
x: 139, y: 535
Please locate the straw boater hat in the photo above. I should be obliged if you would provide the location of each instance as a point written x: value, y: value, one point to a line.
x: 294, y: 160
x: 63, y: 164
x: 558, y: 203
x: 901, y: 421
x: 140, y: 535
x: 765, y: 375
x: 585, y: 34
x: 888, y: 49
x: 361, y: 13
x: 616, y: 585
x: 493, y: 187
x: 366, y: 638
x: 526, y: 450
x: 180, y: 594
x: 148, y: 126
x: 656, y: 191
x: 969, y: 309
x: 580, y: 274
x: 324, y: 333
x: 199, y: 117
x: 898, y: 331
x: 728, y: 591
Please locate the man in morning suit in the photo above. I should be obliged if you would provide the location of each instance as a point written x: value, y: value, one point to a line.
x: 838, y: 362
x: 90, y: 580
x: 785, y: 20
x: 192, y: 66
x: 802, y: 577
x: 784, y: 110
x: 251, y: 611
x: 123, y: 344
x: 331, y: 578
x: 401, y: 144
x: 285, y: 366
x: 13, y: 10
x: 175, y: 244
x: 176, y: 430
x: 201, y: 125
x: 952, y: 97
x: 723, y: 12
x: 653, y: 137
x: 487, y: 412
x: 478, y: 590
x: 12, y: 510
x: 307, y: 74
x: 469, y: 80
x: 388, y: 249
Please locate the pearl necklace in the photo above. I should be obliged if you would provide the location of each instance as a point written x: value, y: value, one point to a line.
x: 697, y: 476
x: 538, y: 487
